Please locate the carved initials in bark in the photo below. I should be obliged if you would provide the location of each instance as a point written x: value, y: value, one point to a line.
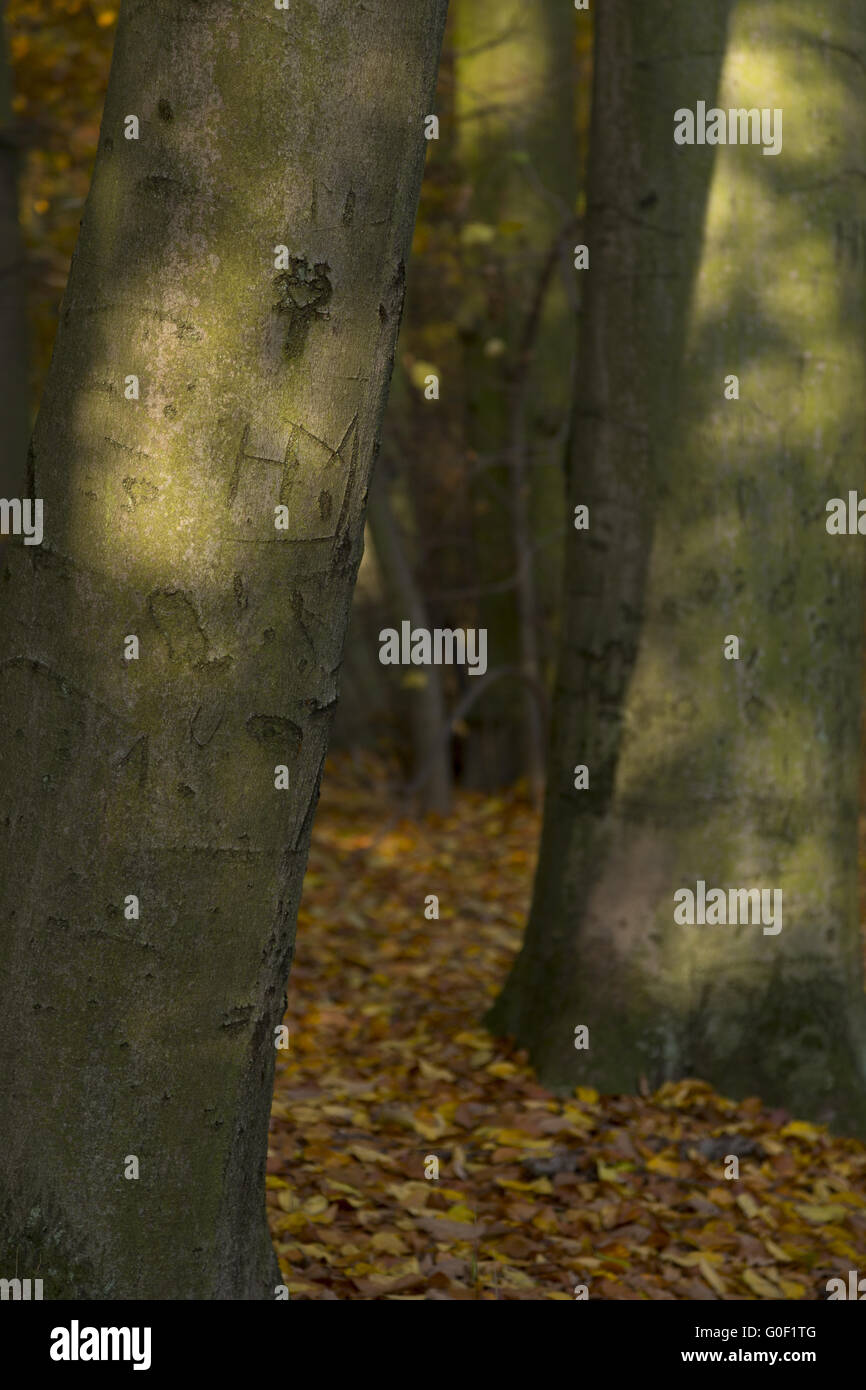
x: 310, y: 479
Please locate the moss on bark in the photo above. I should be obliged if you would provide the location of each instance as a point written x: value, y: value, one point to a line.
x: 707, y: 520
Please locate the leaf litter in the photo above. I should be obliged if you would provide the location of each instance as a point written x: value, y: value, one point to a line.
x: 388, y: 1069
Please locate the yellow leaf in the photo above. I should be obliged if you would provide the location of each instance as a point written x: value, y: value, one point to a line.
x: 337, y: 1112
x: 758, y: 1285
x: 771, y: 1147
x: 410, y: 1193
x: 776, y: 1251
x: 460, y: 1212
x: 748, y: 1205
x: 432, y: 1073
x: 841, y: 1247
x: 606, y: 1173
x: 791, y: 1289
x: 287, y: 1201
x: 820, y: 1215
x: 321, y: 1252
x: 588, y: 1094
x: 515, y: 1138
x: 502, y: 1069
x: 305, y: 1115
x: 852, y: 1198
x: 712, y: 1278
x: 384, y: 1277
x: 368, y: 1155
x: 799, y: 1129
x: 577, y: 1117
x: 665, y: 1166
x: 539, y: 1185
x: 481, y: 1059
x: 388, y: 1242
x: 272, y: 1182
x: 314, y: 1206
x: 426, y: 1129
x: 293, y: 1221
x: 545, y: 1223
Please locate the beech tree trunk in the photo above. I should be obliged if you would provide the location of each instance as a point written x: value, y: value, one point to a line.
x: 14, y: 413
x: 515, y: 108
x: 707, y: 519
x: 154, y: 778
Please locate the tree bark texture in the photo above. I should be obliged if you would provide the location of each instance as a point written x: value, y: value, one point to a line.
x: 14, y: 413
x: 707, y: 519
x: 155, y: 777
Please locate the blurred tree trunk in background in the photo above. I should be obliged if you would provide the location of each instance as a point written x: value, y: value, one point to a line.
x: 490, y: 311
x: 516, y: 120
x: 14, y: 413
x: 422, y: 688
x: 152, y: 859
x: 740, y: 773
x: 427, y: 496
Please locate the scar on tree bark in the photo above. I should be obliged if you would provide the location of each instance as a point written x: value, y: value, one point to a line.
x: 302, y: 293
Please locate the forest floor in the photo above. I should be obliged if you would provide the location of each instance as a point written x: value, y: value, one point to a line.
x: 388, y: 1067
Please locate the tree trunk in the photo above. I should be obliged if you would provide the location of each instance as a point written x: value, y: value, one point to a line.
x: 14, y: 413
x: 432, y: 766
x: 516, y: 115
x: 155, y: 778
x: 739, y: 773
x: 522, y: 388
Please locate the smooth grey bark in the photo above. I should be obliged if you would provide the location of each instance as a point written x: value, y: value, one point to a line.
x: 14, y: 413
x: 528, y: 609
x: 432, y: 767
x: 156, y: 777
x: 708, y: 520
